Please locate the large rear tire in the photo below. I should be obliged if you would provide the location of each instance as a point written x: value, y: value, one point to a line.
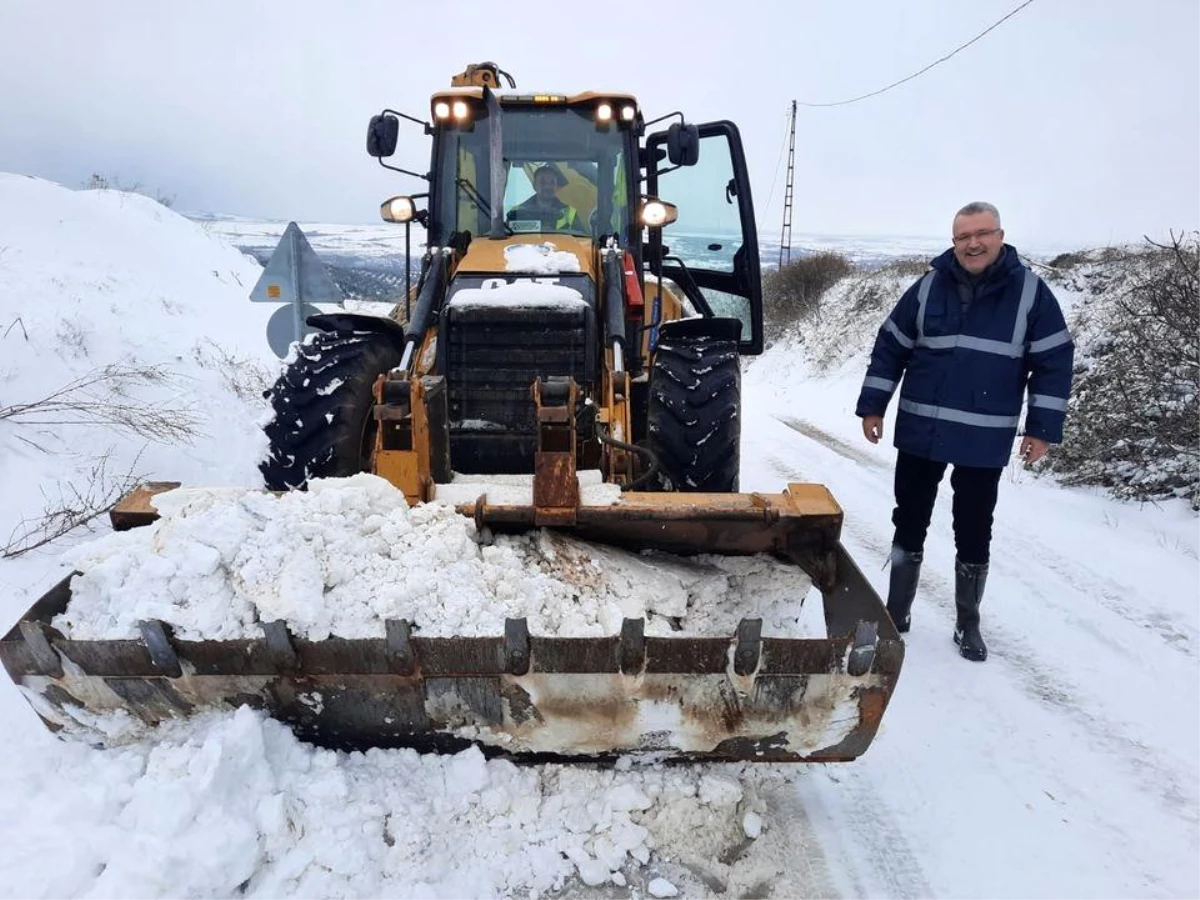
x: 322, y: 427
x: 694, y: 415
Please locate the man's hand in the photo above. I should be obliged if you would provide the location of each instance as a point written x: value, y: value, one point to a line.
x: 1033, y: 449
x: 873, y: 428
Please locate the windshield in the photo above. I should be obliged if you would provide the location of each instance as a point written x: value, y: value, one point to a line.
x: 563, y: 174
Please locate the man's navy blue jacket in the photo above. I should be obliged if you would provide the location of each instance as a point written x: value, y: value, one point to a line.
x: 966, y: 366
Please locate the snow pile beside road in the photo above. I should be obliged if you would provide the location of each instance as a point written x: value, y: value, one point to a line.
x: 234, y: 805
x: 347, y: 554
x: 129, y: 350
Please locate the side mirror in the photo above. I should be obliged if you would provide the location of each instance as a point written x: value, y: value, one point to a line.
x: 683, y: 144
x: 381, y: 135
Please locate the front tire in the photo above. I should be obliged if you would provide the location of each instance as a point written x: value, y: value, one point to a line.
x: 694, y: 416
x: 322, y: 427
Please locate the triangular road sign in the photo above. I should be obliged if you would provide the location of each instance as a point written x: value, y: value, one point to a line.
x: 294, y: 273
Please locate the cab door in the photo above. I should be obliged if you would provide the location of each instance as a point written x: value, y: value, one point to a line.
x: 713, y: 245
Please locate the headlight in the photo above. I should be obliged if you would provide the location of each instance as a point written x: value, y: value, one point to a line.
x: 441, y: 110
x: 604, y: 112
x: 398, y: 209
x: 657, y: 213
x: 627, y: 113
x: 461, y: 110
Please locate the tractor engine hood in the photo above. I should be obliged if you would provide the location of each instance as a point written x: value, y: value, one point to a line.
x: 529, y: 255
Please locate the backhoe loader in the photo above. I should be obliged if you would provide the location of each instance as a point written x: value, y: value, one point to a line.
x: 551, y: 330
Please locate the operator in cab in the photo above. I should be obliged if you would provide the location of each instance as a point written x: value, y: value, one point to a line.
x: 544, y: 211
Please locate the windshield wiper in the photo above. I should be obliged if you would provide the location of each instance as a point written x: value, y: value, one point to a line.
x: 477, y: 198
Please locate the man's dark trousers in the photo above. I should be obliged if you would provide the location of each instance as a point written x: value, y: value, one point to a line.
x: 975, y: 491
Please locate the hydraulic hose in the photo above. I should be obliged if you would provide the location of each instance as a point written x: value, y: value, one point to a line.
x: 428, y: 301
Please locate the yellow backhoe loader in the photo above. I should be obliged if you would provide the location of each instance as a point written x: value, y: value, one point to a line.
x: 550, y: 331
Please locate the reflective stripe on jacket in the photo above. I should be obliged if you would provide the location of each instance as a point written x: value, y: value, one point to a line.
x: 965, y: 371
x: 566, y: 219
x: 563, y: 216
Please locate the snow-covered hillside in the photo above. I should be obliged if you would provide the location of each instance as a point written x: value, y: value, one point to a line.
x: 1066, y: 766
x: 127, y: 347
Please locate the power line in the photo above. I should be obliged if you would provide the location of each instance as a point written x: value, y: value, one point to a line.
x: 928, y: 67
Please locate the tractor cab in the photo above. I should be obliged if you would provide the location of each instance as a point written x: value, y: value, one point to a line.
x: 581, y: 172
x: 564, y: 168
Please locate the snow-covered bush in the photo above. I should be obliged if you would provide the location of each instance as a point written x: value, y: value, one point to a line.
x: 1134, y: 421
x: 851, y: 311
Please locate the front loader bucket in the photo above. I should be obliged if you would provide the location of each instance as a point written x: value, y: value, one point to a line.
x: 738, y: 696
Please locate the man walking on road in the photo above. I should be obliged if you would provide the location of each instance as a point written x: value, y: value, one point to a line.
x: 969, y: 338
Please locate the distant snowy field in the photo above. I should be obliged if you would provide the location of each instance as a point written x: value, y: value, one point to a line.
x: 1068, y: 765
x: 380, y: 246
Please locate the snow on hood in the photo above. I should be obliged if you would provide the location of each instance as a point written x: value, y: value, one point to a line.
x: 349, y: 553
x: 522, y: 294
x: 539, y: 259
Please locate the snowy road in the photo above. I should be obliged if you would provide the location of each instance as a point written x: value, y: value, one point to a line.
x: 1066, y: 765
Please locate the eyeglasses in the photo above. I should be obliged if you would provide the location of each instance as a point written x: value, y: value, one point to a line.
x: 975, y: 236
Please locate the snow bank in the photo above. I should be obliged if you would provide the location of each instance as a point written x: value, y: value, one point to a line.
x: 91, y: 280
x: 233, y: 805
x: 347, y: 554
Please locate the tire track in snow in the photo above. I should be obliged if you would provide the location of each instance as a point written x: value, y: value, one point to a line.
x: 892, y: 866
x: 1111, y: 594
x: 825, y: 439
x: 1155, y: 772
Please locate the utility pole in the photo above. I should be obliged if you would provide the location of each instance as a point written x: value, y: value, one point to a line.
x: 785, y: 239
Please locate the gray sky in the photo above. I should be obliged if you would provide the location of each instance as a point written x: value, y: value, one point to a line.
x: 1079, y: 119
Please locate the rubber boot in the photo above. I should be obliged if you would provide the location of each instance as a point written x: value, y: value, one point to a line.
x: 902, y: 587
x: 969, y: 579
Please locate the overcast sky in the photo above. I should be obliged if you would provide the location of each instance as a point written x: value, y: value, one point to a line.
x: 1080, y: 119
